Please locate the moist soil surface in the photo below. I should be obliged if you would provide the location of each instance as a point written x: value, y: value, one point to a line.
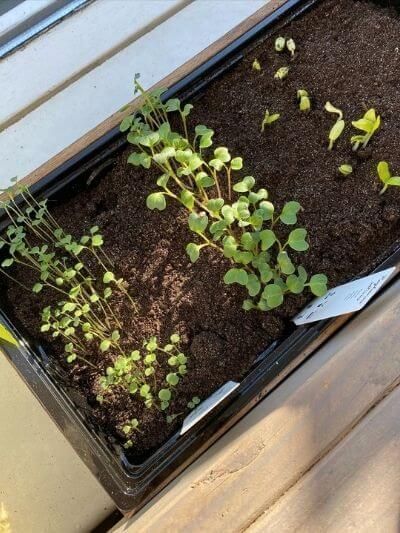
x: 346, y: 53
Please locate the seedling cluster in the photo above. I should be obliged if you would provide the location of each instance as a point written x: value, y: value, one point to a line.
x: 233, y: 217
x: 84, y: 318
x: 282, y: 42
x: 60, y: 262
x: 136, y: 372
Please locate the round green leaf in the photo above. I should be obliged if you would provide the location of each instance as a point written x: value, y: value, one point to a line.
x: 266, y: 210
x: 215, y: 205
x: 273, y: 295
x: 175, y: 338
x: 230, y: 246
x: 318, y: 284
x: 302, y: 273
x: 156, y: 200
x: 126, y: 124
x: 193, y: 251
x: 37, y: 287
x: 187, y: 199
x: 198, y: 222
x: 203, y: 180
x: 285, y: 263
x: 108, y: 277
x: 237, y: 163
x: 97, y: 240
x: 165, y: 395
x: 268, y: 239
x: 236, y: 275
x: 172, y: 379
x: 104, y: 345
x: 7, y: 262
x: 297, y: 240
x: 216, y: 163
x: 294, y: 284
x: 253, y: 285
x: 222, y: 153
x: 248, y: 305
x: 144, y: 391
x: 245, y: 185
x: 247, y: 241
x: 289, y: 213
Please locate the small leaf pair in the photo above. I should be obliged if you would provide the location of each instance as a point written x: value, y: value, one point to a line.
x: 386, y: 177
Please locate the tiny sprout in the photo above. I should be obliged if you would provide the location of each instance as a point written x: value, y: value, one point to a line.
x: 269, y: 119
x: 256, y: 65
x: 291, y: 46
x: 385, y: 176
x: 281, y: 73
x: 338, y: 127
x: 193, y: 402
x: 305, y: 102
x: 280, y: 44
x: 335, y: 133
x: 369, y: 123
x: 345, y: 169
x: 332, y: 109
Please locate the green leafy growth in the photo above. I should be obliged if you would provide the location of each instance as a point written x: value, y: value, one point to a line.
x: 83, y: 313
x: 291, y: 46
x: 345, y: 169
x: 256, y: 65
x: 281, y: 73
x: 337, y: 129
x: 227, y: 213
x: 368, y: 124
x: 135, y: 373
x: 280, y: 43
x: 304, y: 100
x: 269, y: 119
x: 386, y: 177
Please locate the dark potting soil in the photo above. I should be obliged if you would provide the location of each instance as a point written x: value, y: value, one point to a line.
x: 347, y: 53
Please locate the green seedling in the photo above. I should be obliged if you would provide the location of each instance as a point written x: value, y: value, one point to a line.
x: 194, y: 402
x: 304, y: 100
x: 281, y: 73
x: 386, y: 177
x: 335, y: 133
x: 128, y: 429
x: 256, y: 65
x: 83, y: 313
x: 280, y: 43
x: 337, y: 129
x: 345, y: 169
x: 269, y: 119
x: 369, y: 124
x: 332, y: 109
x: 243, y: 229
x: 136, y: 371
x: 291, y: 46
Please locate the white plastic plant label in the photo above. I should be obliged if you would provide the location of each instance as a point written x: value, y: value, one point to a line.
x: 208, y: 405
x: 344, y: 299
